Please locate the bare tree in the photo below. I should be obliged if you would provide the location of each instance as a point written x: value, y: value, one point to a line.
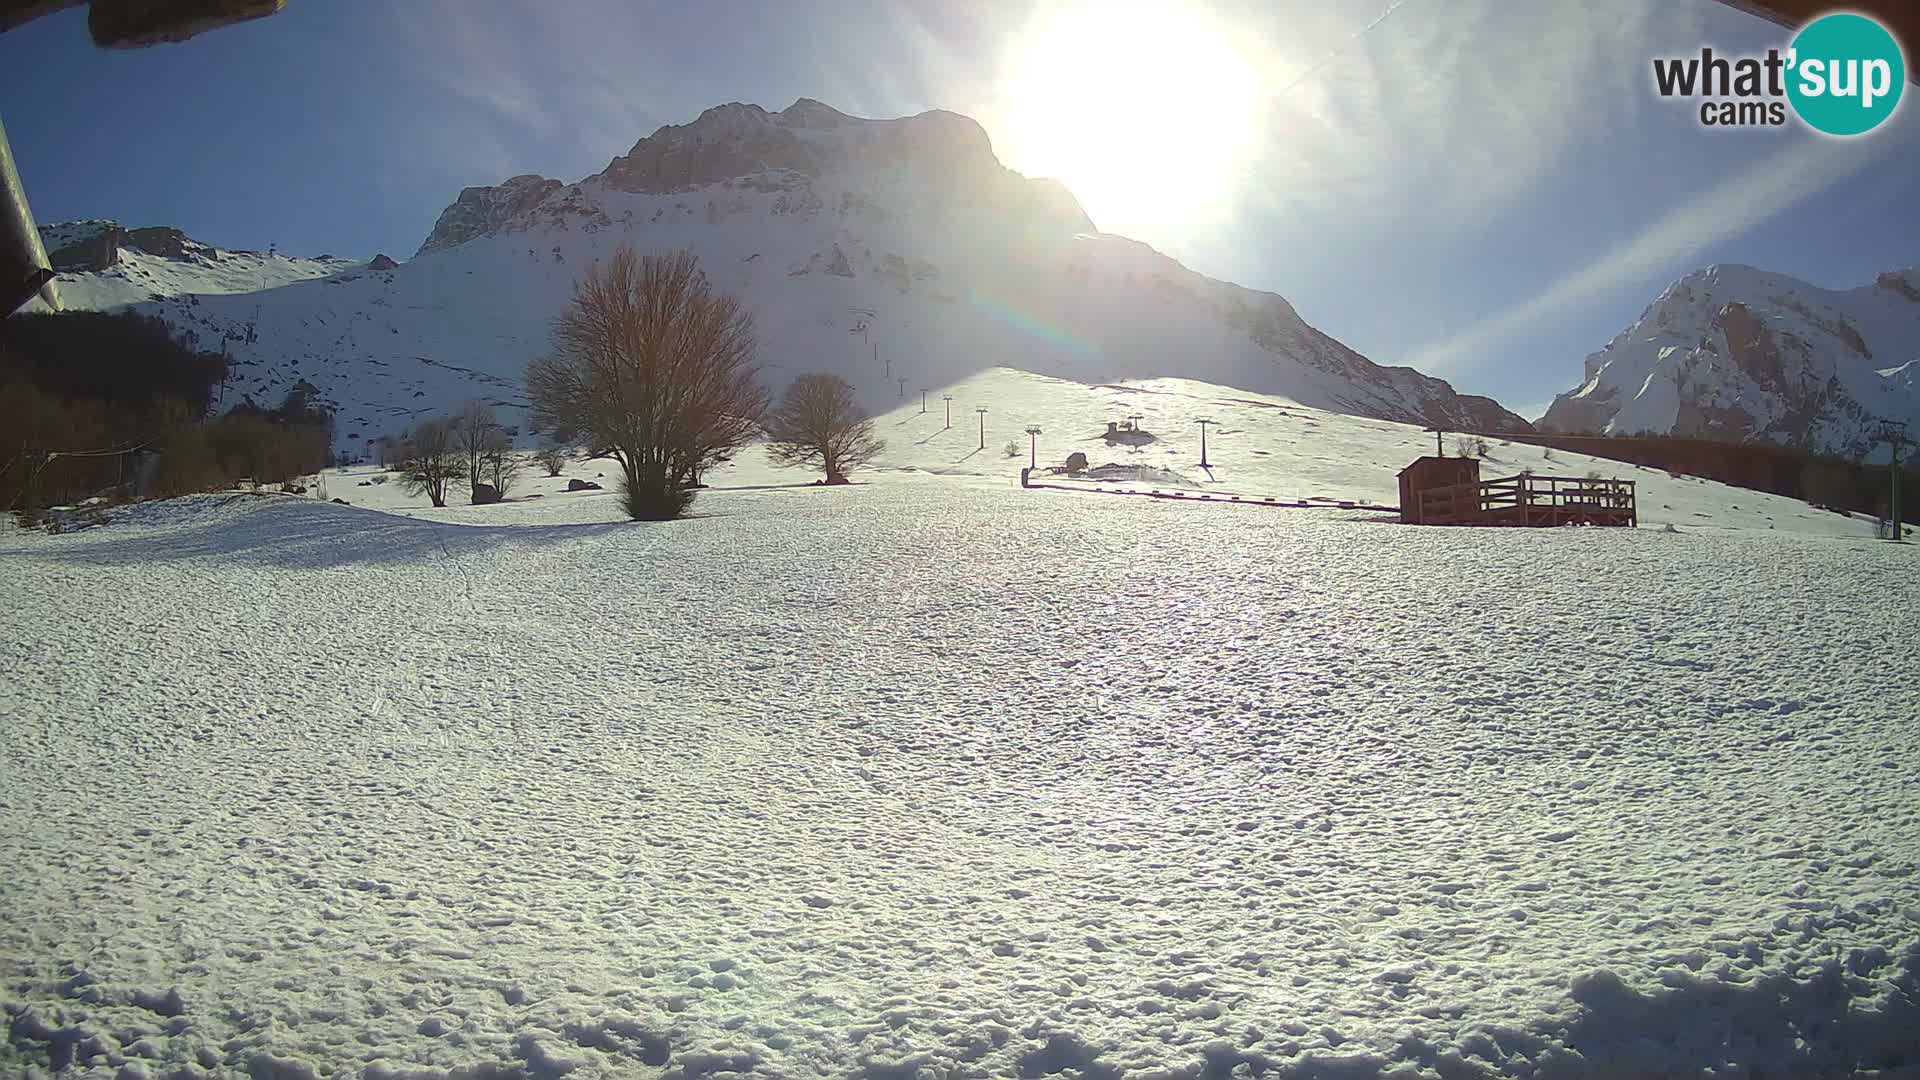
x: 476, y: 434
x: 429, y: 459
x: 500, y: 468
x: 551, y: 458
x: 820, y: 424
x: 652, y: 364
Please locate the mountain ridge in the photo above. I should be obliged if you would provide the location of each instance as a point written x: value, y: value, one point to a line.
x: 906, y: 232
x: 1737, y: 352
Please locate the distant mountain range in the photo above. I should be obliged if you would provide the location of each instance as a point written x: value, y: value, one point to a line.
x: 1735, y: 353
x: 898, y: 253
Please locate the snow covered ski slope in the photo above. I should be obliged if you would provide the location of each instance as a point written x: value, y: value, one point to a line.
x: 934, y: 777
x: 1261, y: 446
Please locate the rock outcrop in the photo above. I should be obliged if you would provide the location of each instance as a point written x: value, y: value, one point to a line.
x: 89, y: 252
x: 482, y: 210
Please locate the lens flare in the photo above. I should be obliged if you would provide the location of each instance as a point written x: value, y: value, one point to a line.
x: 1145, y: 110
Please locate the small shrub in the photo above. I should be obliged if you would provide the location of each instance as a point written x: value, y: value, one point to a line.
x: 551, y: 458
x: 1546, y: 453
x: 1012, y: 448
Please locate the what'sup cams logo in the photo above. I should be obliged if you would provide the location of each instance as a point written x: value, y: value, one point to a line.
x: 1841, y: 75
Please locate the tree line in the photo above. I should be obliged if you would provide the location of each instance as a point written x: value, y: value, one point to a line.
x: 1819, y: 479
x: 95, y: 402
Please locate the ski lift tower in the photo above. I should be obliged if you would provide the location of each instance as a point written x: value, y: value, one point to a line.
x: 1894, y: 434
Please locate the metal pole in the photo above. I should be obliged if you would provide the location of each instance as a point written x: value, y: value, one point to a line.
x: 1033, y: 446
x: 1203, y: 442
x: 902, y: 380
x: 948, y: 398
x: 923, y: 400
x: 1893, y: 495
x: 1893, y: 433
x: 982, y: 410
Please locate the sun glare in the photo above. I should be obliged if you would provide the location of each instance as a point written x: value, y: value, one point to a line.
x: 1146, y: 110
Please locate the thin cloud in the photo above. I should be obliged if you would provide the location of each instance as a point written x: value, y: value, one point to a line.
x: 481, y: 66
x: 1677, y: 239
x: 1450, y: 110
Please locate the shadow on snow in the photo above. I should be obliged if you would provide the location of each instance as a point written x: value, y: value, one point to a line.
x: 294, y: 534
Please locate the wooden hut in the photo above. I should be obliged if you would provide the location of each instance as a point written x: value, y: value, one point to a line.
x: 1432, y: 473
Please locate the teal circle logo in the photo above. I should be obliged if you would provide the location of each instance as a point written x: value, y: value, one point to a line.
x: 1845, y: 74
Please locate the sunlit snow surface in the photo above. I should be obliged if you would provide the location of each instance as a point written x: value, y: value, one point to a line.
x: 935, y: 777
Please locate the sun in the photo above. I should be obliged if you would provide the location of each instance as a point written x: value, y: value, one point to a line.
x: 1147, y: 110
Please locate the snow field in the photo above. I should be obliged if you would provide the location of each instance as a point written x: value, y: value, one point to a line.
x: 139, y: 277
x: 1262, y: 446
x: 935, y: 777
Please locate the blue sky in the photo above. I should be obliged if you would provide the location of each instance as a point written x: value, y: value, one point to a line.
x: 1486, y: 190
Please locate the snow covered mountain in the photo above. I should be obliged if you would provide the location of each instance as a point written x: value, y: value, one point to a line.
x: 898, y: 253
x: 1735, y: 352
x: 100, y: 264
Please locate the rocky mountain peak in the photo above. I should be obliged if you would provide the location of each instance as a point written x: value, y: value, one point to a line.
x: 809, y: 139
x: 1901, y: 282
x: 807, y: 113
x: 1744, y: 354
x: 933, y: 164
x: 482, y: 210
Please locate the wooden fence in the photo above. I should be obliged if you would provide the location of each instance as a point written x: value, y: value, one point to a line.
x: 1527, y: 501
